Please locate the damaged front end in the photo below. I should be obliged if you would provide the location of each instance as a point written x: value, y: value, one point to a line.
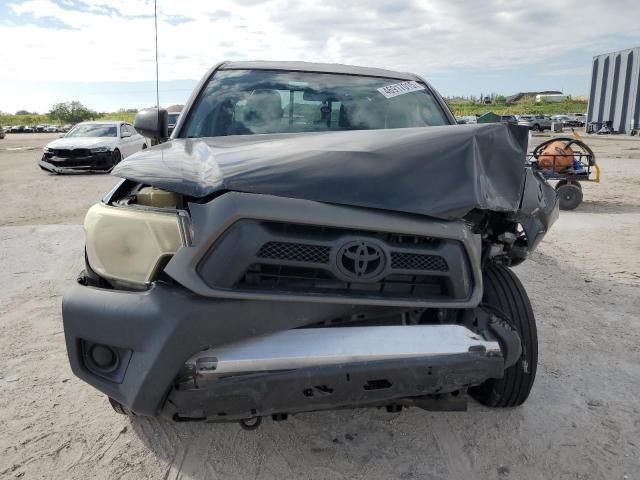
x: 233, y: 278
x: 76, y: 160
x: 475, y: 173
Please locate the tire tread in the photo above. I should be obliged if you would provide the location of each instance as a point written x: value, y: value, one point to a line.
x: 505, y: 291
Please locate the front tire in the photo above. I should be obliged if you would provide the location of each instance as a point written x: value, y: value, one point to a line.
x: 504, y: 293
x: 116, y: 156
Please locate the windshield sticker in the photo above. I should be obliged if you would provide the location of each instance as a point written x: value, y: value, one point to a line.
x: 401, y: 88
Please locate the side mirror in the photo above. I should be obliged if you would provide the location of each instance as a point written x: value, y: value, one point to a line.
x: 152, y: 123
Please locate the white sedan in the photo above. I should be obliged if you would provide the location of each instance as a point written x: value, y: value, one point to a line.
x: 92, y: 147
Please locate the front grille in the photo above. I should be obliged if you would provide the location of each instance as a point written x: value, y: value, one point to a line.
x: 302, y: 279
x: 416, y: 261
x: 316, y: 232
x: 295, y: 252
x: 76, y: 152
x: 281, y: 258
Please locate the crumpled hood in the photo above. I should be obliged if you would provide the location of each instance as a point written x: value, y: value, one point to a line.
x: 82, y: 142
x: 438, y: 171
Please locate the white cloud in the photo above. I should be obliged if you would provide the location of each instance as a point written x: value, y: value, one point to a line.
x: 114, y: 41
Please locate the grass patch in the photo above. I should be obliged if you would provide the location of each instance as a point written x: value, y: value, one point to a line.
x: 527, y: 107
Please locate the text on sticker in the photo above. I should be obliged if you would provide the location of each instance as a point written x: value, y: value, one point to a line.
x: 401, y: 88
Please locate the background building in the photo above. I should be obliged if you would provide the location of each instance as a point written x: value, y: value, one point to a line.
x: 615, y: 91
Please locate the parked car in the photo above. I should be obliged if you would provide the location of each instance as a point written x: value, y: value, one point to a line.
x: 92, y: 146
x: 561, y: 118
x: 509, y: 119
x: 172, y: 120
x: 577, y: 119
x: 28, y: 129
x: 1, y: 133
x: 535, y: 122
x: 467, y: 119
x: 17, y: 129
x: 339, y: 252
x: 52, y: 129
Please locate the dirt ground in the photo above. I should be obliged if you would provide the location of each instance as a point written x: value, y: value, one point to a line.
x: 582, y: 420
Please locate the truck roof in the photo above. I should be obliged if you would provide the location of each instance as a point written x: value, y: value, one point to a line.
x: 318, y: 68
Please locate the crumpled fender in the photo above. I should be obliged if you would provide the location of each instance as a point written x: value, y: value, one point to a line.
x: 538, y: 209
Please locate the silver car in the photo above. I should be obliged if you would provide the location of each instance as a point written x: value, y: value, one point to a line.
x: 535, y: 122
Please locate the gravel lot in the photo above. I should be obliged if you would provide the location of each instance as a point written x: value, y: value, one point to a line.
x: 582, y: 420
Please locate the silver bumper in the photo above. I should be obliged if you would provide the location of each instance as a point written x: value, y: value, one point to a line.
x: 315, y: 347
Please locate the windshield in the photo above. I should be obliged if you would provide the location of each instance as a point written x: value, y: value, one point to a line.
x: 244, y: 102
x: 93, y: 130
x: 173, y: 118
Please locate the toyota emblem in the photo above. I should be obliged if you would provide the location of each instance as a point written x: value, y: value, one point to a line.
x: 361, y: 260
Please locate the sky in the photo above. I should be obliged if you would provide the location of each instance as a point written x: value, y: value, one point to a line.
x: 101, y: 52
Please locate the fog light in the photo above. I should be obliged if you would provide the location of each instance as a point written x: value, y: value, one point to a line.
x: 106, y: 361
x: 103, y: 357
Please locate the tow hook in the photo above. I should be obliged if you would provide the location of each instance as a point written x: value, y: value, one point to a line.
x: 250, y: 423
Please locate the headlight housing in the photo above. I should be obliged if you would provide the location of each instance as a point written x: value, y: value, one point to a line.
x: 129, y: 245
x: 100, y: 150
x: 46, y: 150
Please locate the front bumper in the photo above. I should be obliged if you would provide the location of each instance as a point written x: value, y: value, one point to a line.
x: 156, y: 332
x: 98, y: 162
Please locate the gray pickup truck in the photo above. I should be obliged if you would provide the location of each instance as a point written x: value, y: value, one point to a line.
x: 310, y: 237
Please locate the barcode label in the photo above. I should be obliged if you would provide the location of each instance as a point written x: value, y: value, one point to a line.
x: 401, y: 88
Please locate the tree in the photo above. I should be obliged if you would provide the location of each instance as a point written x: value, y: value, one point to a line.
x: 23, y: 112
x: 71, y: 112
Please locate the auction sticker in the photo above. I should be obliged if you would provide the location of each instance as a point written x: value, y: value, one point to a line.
x: 401, y: 88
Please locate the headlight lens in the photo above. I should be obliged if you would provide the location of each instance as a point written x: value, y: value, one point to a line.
x: 99, y: 150
x: 127, y: 244
x: 46, y: 150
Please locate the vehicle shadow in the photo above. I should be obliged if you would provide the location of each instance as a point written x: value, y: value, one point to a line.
x: 363, y: 443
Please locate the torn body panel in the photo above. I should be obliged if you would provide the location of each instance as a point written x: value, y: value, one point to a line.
x: 442, y: 172
x: 86, y: 163
x: 448, y: 173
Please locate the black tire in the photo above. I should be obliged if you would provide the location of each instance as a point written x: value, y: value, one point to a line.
x: 537, y: 128
x: 570, y: 196
x: 144, y: 146
x: 116, y: 156
x: 504, y: 292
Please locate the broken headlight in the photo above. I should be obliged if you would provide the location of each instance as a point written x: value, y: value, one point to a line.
x: 131, y: 245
